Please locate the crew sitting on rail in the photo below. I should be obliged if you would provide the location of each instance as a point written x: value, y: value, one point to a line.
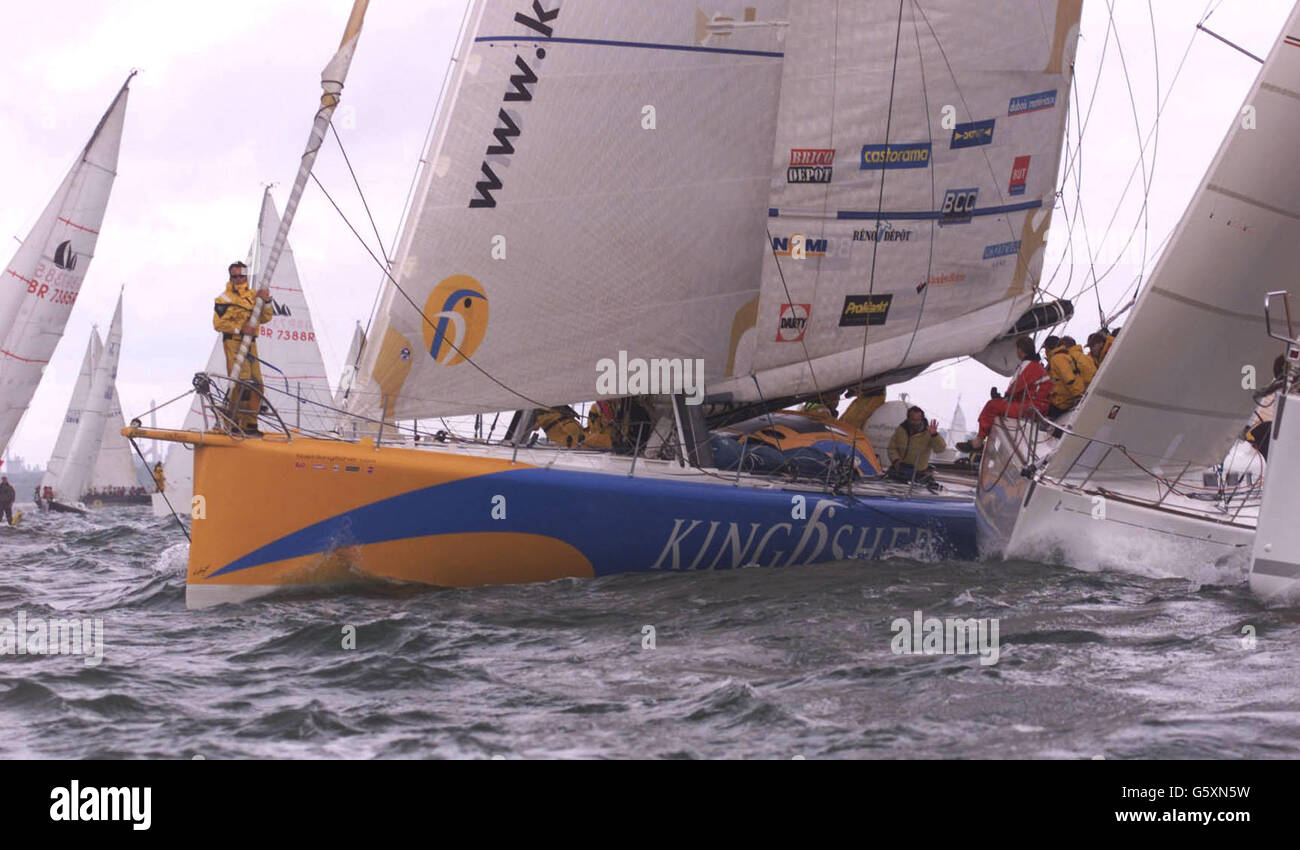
x: 1029, y: 391
x: 1083, y: 362
x: 1099, y: 345
x: 1067, y: 384
x: 561, y: 426
x: 910, y: 448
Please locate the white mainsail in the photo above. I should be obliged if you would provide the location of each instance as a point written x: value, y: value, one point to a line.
x: 42, y: 281
x: 597, y: 182
x: 77, y: 470
x: 915, y: 169
x: 1203, y: 308
x: 71, y: 419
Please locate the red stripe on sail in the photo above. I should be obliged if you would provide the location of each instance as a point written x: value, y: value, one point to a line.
x: 24, y: 359
x: 78, y: 226
x: 20, y: 277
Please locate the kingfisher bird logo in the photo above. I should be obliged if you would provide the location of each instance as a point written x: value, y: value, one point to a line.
x: 457, y: 319
x: 64, y: 257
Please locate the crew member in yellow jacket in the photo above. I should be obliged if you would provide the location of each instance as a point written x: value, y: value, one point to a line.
x: 910, y: 448
x: 1067, y: 383
x: 232, y: 313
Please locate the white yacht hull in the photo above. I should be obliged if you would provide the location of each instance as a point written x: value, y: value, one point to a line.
x: 1275, y: 568
x: 1092, y: 527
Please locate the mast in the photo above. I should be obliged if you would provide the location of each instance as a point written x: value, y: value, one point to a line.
x: 332, y: 79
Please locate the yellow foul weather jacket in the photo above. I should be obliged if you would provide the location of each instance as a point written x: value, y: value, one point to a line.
x: 915, y: 448
x: 1084, y: 364
x: 232, y: 309
x: 1067, y: 383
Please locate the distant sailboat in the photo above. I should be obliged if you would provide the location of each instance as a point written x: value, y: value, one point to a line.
x: 43, y: 280
x: 78, y: 469
x: 1124, y: 487
x: 642, y: 184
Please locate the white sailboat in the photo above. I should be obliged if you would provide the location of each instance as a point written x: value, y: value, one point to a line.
x: 42, y: 281
x: 645, y: 184
x: 78, y: 469
x: 1124, y: 488
x: 291, y: 363
x: 72, y: 418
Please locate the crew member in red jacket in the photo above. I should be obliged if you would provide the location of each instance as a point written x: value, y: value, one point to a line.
x: 1029, y: 390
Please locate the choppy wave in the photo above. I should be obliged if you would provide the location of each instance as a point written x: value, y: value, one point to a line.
x: 755, y: 663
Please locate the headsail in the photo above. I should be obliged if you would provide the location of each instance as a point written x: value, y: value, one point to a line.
x: 1203, y: 308
x: 597, y: 183
x: 71, y: 419
x: 347, y: 377
x: 914, y: 176
x: 115, y: 464
x: 287, y: 345
x: 75, y: 477
x: 42, y: 281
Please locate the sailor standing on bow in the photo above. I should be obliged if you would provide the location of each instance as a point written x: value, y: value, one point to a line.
x: 232, y: 312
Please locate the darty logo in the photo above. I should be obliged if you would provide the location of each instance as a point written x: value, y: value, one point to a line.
x: 509, y: 129
x: 1032, y: 102
x: 793, y: 323
x: 880, y: 157
x: 974, y: 134
x: 1019, y: 174
x: 798, y: 247
x: 862, y: 310
x: 457, y: 310
x: 810, y: 165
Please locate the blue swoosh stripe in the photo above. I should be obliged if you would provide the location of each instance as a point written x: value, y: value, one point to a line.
x: 918, y: 215
x: 617, y: 522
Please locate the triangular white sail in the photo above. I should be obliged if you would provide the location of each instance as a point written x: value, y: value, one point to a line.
x: 292, y: 367
x: 347, y: 377
x: 71, y: 419
x: 1175, y: 389
x: 42, y: 281
x: 913, y: 180
x: 115, y: 464
x: 75, y: 476
x: 570, y: 206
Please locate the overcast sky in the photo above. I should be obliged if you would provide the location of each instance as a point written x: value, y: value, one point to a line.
x: 223, y: 103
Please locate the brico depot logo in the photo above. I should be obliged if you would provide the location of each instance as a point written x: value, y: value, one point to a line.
x: 799, y: 247
x: 519, y: 92
x: 1019, y: 176
x: 972, y: 135
x: 810, y: 165
x: 457, y: 313
x: 793, y: 322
